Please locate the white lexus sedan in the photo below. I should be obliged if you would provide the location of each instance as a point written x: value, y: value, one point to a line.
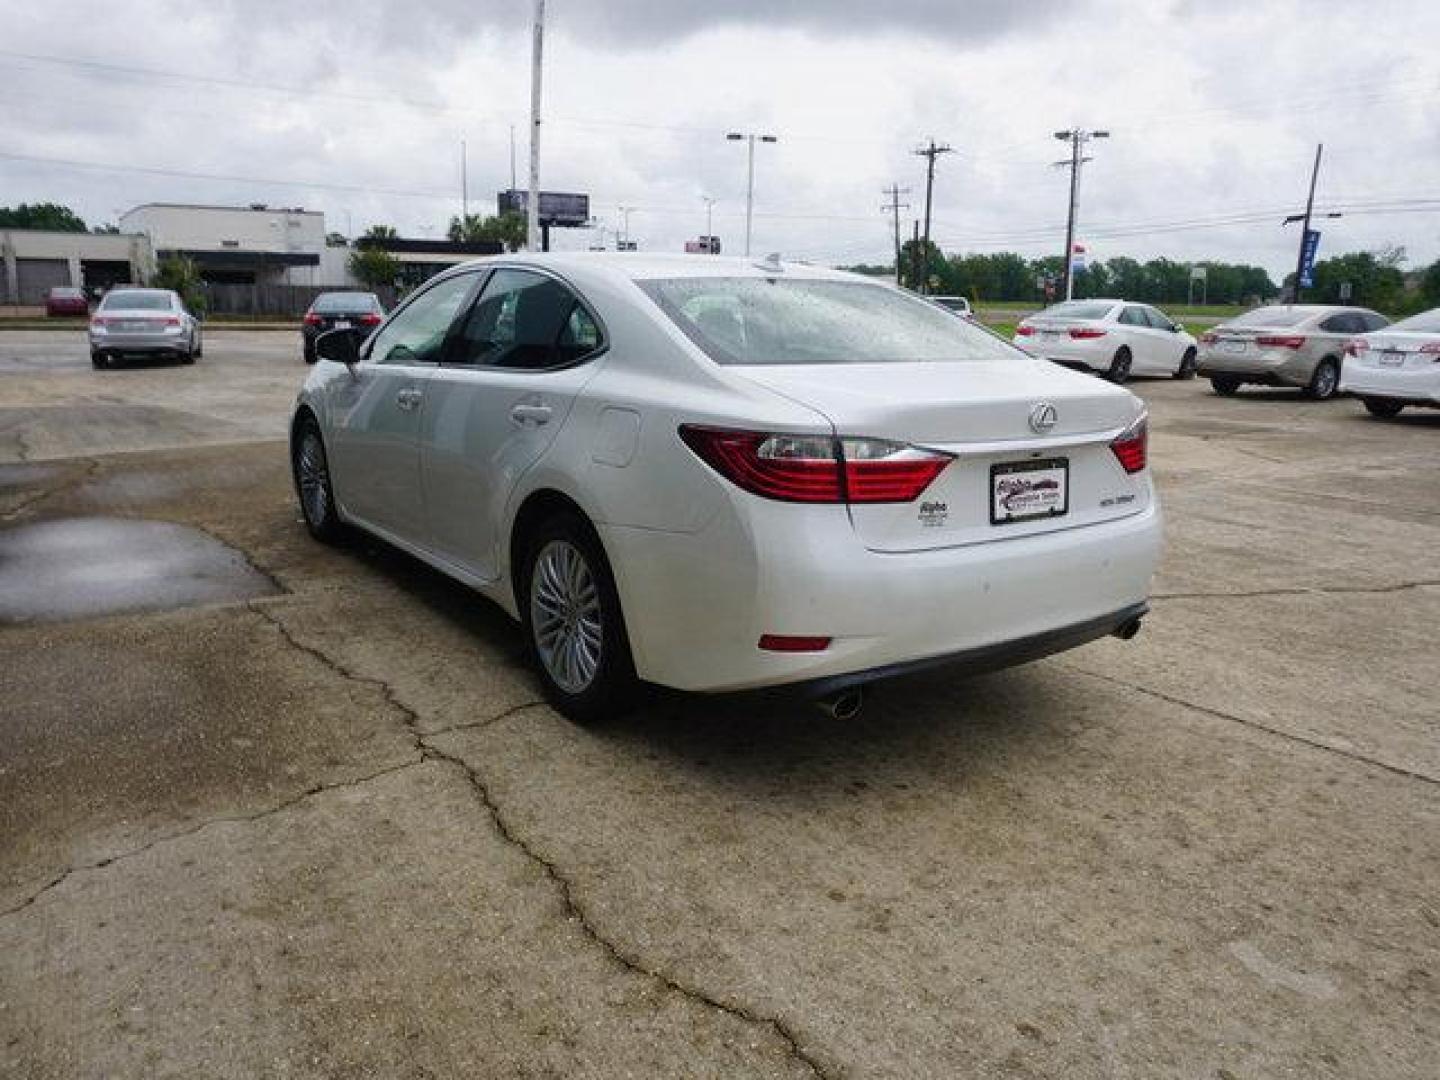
x: 1398, y: 366
x: 716, y: 474
x: 1113, y: 337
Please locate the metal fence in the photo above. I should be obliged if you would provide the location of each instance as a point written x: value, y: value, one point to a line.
x: 273, y: 301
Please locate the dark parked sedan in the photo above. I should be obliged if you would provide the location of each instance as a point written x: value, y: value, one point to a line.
x: 66, y: 300
x: 361, y: 311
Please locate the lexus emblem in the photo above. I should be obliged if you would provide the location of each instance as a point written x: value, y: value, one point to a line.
x: 1042, y: 417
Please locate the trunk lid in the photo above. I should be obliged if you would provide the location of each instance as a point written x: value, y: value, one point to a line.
x: 980, y: 412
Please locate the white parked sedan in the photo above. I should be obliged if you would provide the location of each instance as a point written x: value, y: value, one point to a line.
x: 1116, y: 338
x: 1395, y: 367
x: 714, y: 474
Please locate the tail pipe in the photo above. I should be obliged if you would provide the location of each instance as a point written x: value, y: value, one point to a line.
x: 843, y: 705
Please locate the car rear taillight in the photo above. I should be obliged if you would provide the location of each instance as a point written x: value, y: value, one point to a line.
x: 1281, y: 341
x: 1130, y: 446
x: 369, y: 319
x: 1024, y: 331
x: 97, y: 322
x: 1356, y: 346
x: 1208, y: 339
x: 817, y: 468
x: 793, y: 643
x: 312, y: 319
x: 171, y: 320
x: 1432, y: 349
x: 1080, y: 333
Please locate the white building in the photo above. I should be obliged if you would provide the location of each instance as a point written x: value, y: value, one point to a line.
x: 243, y: 245
x: 33, y: 261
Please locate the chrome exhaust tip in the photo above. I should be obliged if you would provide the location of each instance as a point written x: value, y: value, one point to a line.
x: 1127, y: 630
x: 845, y: 705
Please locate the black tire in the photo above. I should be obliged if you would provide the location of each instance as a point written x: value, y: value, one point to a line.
x: 1224, y: 385
x: 309, y: 353
x: 1325, y: 383
x: 610, y: 687
x: 317, y: 505
x: 187, y: 358
x: 1187, y: 365
x: 1384, y: 408
x: 98, y: 360
x: 199, y: 347
x: 1119, y: 369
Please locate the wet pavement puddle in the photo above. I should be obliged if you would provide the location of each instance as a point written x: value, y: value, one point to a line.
x: 78, y: 568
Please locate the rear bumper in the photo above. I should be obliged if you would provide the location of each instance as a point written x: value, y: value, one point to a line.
x: 1272, y: 368
x: 696, y: 605
x: 1089, y: 356
x: 1420, y: 386
x: 139, y: 343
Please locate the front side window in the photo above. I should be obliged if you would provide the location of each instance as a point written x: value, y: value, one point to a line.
x: 1134, y: 316
x: 417, y: 334
x: 1158, y: 319
x: 526, y: 321
x: 755, y: 320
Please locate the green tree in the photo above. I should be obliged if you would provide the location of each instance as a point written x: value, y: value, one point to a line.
x: 508, y: 228
x: 918, y: 262
x: 1375, y: 280
x: 381, y: 232
x: 182, y: 275
x: 335, y: 239
x: 1430, y: 286
x: 374, y: 266
x: 49, y: 216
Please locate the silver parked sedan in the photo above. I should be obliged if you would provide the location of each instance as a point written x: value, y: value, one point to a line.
x: 143, y: 322
x: 1286, y: 345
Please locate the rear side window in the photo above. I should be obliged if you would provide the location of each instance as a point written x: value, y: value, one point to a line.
x: 1158, y: 320
x: 1374, y: 320
x: 757, y: 320
x: 526, y: 321
x: 1346, y: 322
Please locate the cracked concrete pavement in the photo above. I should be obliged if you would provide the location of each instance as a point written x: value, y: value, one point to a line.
x: 333, y: 832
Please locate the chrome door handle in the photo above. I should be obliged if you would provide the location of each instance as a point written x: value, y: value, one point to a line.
x: 531, y: 415
x: 408, y: 398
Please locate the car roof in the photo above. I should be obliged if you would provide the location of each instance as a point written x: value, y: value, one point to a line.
x: 642, y: 266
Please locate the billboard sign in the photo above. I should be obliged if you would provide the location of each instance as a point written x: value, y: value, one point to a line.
x: 560, y: 209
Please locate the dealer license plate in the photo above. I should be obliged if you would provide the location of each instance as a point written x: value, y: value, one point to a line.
x: 1232, y: 346
x: 342, y: 324
x: 1027, y: 490
x: 1392, y: 359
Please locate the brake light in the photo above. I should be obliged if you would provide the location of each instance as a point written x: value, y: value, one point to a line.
x: 97, y: 321
x: 816, y: 468
x: 793, y: 643
x: 1080, y: 333
x: 312, y: 319
x: 1130, y: 446
x: 1283, y: 341
x: 1432, y: 348
x: 171, y: 320
x: 1024, y: 331
x: 1208, y: 339
x: 369, y: 319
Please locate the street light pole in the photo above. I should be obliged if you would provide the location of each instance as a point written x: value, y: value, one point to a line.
x: 749, y: 137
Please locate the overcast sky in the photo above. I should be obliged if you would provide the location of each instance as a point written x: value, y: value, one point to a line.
x: 358, y: 109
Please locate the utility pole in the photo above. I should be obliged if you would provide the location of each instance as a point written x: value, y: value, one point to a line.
x: 1305, y: 229
x: 894, y: 206
x: 532, y: 203
x: 750, y: 137
x: 930, y: 153
x: 464, y: 187
x: 1077, y: 138
x: 709, y: 220
x: 624, y: 230
x: 512, y: 157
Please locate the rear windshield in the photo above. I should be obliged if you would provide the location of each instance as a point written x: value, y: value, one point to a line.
x: 137, y: 301
x: 775, y: 321
x: 1077, y: 309
x: 65, y: 293
x: 346, y: 301
x: 1427, y: 322
x: 1273, y: 316
x: 952, y: 303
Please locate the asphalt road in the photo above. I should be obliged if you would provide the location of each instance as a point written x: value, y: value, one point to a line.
x: 297, y: 812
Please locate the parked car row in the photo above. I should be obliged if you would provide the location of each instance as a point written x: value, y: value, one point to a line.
x: 1321, y: 349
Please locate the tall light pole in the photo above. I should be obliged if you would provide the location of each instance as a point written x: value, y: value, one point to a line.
x: 709, y: 218
x: 624, y: 230
x: 1077, y: 138
x: 750, y: 137
x: 1305, y: 229
x: 464, y: 186
x: 532, y: 202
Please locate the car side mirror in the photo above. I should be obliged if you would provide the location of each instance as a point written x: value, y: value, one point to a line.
x: 341, y: 346
x: 1175, y: 328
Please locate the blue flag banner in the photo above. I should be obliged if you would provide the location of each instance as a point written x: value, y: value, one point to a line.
x: 1307, y: 257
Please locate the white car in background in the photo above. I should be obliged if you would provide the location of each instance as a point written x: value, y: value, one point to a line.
x: 1113, y: 337
x: 714, y: 474
x: 958, y: 305
x: 1398, y: 366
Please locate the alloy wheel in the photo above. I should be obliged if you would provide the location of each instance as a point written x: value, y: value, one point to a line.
x: 314, y: 480
x: 565, y: 616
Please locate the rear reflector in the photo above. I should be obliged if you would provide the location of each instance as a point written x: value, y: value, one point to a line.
x: 1282, y: 341
x: 1432, y: 347
x: 1024, y: 331
x: 791, y: 643
x: 1081, y: 332
x: 817, y: 468
x: 1130, y: 447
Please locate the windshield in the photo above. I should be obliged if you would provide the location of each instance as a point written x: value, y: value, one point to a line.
x: 1077, y: 309
x: 775, y: 321
x: 952, y: 303
x: 346, y: 301
x: 1427, y: 322
x: 1273, y: 316
x: 137, y: 301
